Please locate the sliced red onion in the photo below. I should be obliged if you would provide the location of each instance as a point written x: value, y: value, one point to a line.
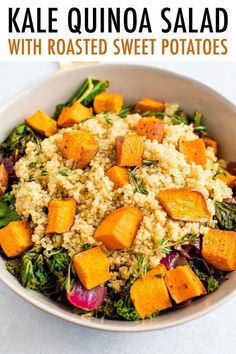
x: 9, y: 165
x: 231, y: 201
x: 86, y: 299
x: 170, y: 260
x: 203, y: 266
x: 197, y: 244
x: 173, y: 260
x: 185, y: 250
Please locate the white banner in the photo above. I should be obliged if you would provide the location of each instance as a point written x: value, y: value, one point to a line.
x: 124, y: 30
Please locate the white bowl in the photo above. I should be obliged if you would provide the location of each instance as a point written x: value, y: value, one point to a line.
x: 134, y: 82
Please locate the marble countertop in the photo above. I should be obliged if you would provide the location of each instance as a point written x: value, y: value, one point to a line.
x: 24, y: 329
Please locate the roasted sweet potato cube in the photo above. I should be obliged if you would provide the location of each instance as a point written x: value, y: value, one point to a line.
x: 92, y: 267
x: 119, y: 228
x: 194, y: 151
x: 118, y: 175
x: 219, y: 249
x: 184, y: 204
x: 79, y: 146
x: 74, y: 115
x: 183, y: 284
x: 149, y: 294
x: 151, y: 127
x: 108, y: 102
x: 147, y: 104
x: 42, y: 123
x: 129, y: 150
x: 61, y: 214
x: 3, y: 179
x: 15, y: 238
x: 211, y: 143
x: 226, y: 177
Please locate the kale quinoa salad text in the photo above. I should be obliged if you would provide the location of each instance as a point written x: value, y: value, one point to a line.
x: 119, y: 212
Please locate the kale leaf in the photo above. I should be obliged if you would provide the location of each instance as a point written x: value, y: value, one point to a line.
x: 126, y: 310
x: 124, y: 306
x: 14, y: 145
x: 211, y: 282
x: 199, y: 128
x: 7, y: 214
x: 48, y: 275
x: 226, y: 216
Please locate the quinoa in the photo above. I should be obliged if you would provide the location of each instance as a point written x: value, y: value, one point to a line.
x: 95, y: 197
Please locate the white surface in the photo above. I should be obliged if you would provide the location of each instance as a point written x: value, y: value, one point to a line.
x: 24, y: 329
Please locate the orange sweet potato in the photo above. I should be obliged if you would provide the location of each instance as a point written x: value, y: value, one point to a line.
x: 129, y: 150
x: 42, y: 123
x: 219, y: 249
x: 149, y: 294
x: 92, y: 267
x: 61, y: 214
x: 79, y: 146
x: 183, y: 284
x: 151, y: 127
x: 3, y: 179
x: 210, y: 143
x: 194, y: 151
x: 118, y: 175
x: 74, y: 115
x: 119, y: 228
x: 184, y: 204
x: 15, y: 238
x: 108, y: 102
x: 147, y: 104
x: 226, y: 177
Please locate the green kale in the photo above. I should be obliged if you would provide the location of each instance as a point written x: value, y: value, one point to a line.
x: 7, y: 214
x: 126, y: 310
x: 211, y: 282
x: 106, y: 309
x: 9, y: 198
x: 199, y: 128
x: 124, y: 307
x: 226, y: 216
x: 154, y: 315
x: 197, y: 118
x: 14, y: 267
x: 15, y: 144
x: 50, y: 275
x: 202, y: 276
x: 85, y: 94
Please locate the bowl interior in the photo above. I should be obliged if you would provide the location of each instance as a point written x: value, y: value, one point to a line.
x: 134, y: 82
